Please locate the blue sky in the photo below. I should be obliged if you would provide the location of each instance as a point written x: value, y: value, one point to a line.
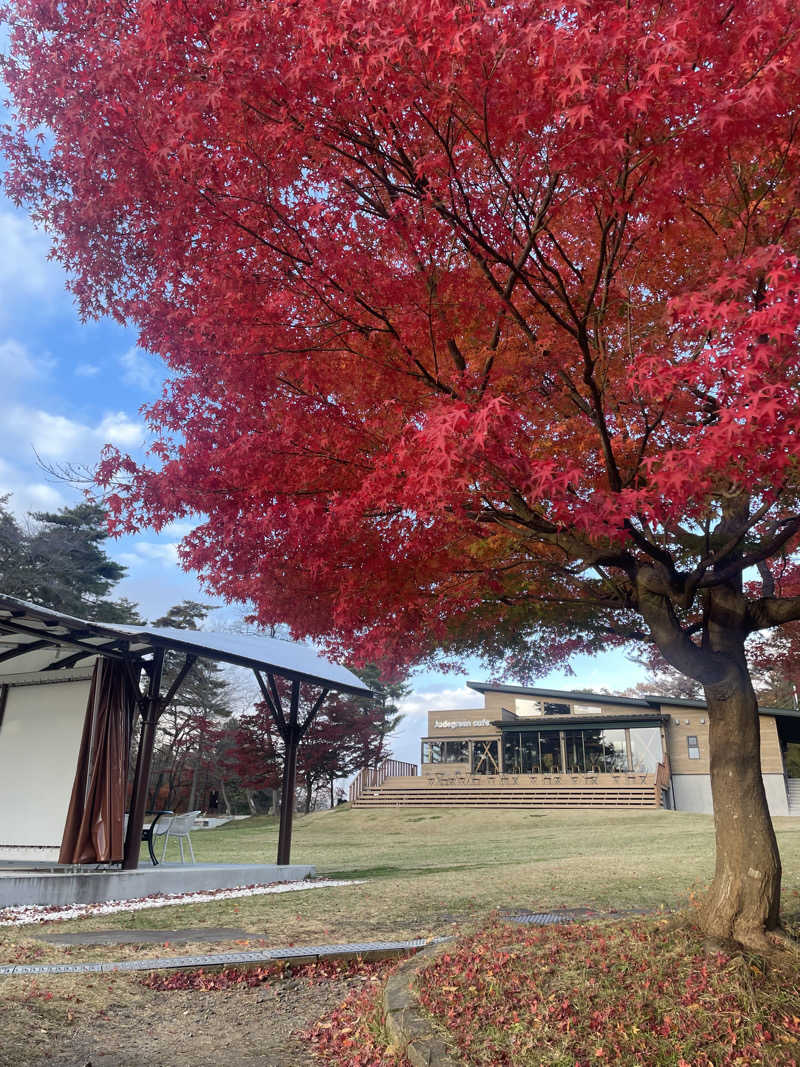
x: 68, y: 388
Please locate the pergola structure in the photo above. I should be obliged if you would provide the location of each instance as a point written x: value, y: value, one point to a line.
x: 43, y: 642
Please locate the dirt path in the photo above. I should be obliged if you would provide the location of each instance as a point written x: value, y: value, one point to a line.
x: 227, y: 1028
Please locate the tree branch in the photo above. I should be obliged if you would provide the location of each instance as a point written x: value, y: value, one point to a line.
x: 771, y: 611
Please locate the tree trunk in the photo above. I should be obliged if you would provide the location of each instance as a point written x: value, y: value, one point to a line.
x: 225, y: 800
x: 193, y: 788
x: 156, y: 789
x: 743, y: 901
x: 307, y: 801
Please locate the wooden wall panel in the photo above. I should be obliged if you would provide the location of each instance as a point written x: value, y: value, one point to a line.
x: 683, y: 723
x: 771, y: 759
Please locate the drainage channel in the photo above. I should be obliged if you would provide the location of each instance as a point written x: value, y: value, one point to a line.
x: 302, y: 954
x: 295, y: 954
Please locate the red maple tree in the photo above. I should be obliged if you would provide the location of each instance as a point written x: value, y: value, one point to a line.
x: 346, y: 735
x: 481, y: 317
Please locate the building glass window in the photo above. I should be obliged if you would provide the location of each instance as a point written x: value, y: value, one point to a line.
x: 455, y: 751
x: 594, y: 752
x: 485, y: 757
x: 512, y: 753
x: 693, y: 747
x: 550, y: 752
x: 602, y: 751
x: 521, y: 752
x: 586, y: 751
x: 646, y: 751
x: 432, y: 751
x: 556, y: 709
x: 445, y: 751
x: 576, y: 759
x: 616, y: 751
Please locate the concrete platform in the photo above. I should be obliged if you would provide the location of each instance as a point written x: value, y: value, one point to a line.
x: 65, y: 886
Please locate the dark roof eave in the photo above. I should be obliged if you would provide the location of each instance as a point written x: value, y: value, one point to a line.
x: 648, y: 702
x: 560, y: 694
x: 535, y: 722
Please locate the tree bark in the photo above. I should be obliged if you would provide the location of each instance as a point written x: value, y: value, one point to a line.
x: 225, y: 799
x: 743, y: 901
x: 193, y: 788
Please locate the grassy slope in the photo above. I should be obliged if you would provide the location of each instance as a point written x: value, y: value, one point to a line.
x: 424, y: 871
x: 427, y: 868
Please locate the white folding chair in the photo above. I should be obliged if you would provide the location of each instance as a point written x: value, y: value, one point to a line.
x: 179, y: 828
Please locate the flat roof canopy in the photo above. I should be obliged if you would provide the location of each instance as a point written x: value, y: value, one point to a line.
x: 27, y: 628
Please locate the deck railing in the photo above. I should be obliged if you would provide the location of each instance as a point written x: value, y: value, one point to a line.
x: 662, y: 779
x: 371, y: 777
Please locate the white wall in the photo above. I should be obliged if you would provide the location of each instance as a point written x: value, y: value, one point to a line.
x: 693, y: 793
x: 39, y: 740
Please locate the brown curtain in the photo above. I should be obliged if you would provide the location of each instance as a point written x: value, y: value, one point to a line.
x: 94, y: 829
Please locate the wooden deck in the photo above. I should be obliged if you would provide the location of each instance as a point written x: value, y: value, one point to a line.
x: 515, y: 791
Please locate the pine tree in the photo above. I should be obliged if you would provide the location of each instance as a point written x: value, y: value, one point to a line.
x: 59, y: 560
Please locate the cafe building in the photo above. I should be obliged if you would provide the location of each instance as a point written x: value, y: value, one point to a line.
x: 550, y: 748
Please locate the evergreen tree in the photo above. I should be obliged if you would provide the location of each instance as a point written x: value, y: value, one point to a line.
x: 382, y: 712
x: 59, y: 560
x: 184, y: 758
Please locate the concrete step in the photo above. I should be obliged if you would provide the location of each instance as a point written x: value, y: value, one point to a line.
x: 509, y: 798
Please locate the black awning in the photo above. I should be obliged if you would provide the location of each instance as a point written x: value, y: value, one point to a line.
x: 566, y: 722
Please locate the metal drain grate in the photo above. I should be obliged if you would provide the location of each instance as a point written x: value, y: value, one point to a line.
x: 544, y: 918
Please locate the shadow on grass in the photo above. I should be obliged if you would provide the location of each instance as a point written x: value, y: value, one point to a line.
x: 400, y: 872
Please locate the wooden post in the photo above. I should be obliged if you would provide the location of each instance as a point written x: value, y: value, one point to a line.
x: 150, y: 714
x: 291, y: 740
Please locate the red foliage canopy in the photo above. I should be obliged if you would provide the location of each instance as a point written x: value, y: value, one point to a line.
x: 474, y: 310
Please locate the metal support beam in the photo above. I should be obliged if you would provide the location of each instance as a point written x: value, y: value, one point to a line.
x: 20, y: 650
x: 46, y: 632
x: 150, y: 714
x: 290, y: 741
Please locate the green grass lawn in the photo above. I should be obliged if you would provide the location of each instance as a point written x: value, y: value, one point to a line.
x: 423, y: 872
x: 425, y: 869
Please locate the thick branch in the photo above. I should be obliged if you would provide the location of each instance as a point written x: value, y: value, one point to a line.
x: 770, y: 611
x: 673, y: 642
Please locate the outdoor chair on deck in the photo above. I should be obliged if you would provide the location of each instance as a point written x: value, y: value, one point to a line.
x: 179, y: 828
x: 152, y: 830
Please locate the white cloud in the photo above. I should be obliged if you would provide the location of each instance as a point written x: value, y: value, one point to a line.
x: 17, y: 364
x: 52, y: 436
x: 87, y: 370
x: 422, y: 701
x: 120, y: 429
x: 29, y: 494
x: 163, y: 553
x: 179, y: 530
x: 139, y: 553
x: 59, y: 439
x: 39, y: 496
x: 25, y: 271
x: 141, y: 370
